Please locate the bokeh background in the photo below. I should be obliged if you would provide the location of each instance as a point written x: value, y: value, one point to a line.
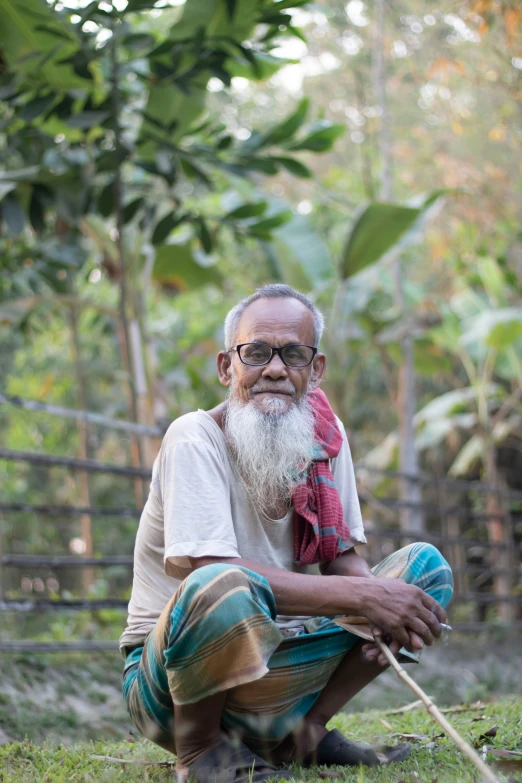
x: 162, y: 160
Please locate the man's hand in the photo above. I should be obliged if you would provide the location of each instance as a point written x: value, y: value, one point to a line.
x: 403, y: 612
x: 372, y: 652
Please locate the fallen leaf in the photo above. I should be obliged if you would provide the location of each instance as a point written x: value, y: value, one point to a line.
x: 492, y: 732
x: 414, y: 737
x: 329, y: 773
x: 477, y: 705
x: 507, y: 754
x: 480, y: 717
x: 407, y: 707
x: 386, y: 724
x: 114, y: 760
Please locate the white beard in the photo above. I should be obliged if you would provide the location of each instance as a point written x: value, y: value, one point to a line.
x: 271, y: 449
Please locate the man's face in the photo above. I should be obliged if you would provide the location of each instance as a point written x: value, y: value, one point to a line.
x: 276, y: 322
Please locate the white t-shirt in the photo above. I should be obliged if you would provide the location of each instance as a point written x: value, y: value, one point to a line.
x: 198, y: 506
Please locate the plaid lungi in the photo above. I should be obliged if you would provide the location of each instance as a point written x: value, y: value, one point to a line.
x: 218, y: 632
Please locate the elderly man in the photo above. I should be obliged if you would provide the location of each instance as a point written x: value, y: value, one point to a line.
x: 233, y: 659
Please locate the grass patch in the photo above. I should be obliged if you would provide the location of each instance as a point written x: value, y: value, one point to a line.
x: 433, y: 760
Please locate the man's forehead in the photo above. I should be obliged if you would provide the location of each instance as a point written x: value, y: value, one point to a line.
x: 283, y: 316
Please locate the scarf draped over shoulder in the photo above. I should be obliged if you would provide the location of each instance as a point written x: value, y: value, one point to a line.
x: 320, y: 534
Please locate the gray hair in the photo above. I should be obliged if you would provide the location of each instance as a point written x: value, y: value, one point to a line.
x: 271, y: 291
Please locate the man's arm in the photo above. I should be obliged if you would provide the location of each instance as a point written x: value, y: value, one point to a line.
x: 389, y: 604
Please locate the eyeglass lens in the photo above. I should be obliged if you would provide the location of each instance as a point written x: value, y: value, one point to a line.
x: 292, y: 355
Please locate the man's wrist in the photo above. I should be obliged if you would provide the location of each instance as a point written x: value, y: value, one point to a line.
x: 353, y: 591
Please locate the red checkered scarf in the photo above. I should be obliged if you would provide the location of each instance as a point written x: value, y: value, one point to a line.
x: 320, y: 534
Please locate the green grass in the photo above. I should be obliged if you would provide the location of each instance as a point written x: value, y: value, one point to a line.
x: 24, y: 762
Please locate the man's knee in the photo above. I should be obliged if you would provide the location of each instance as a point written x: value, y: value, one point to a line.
x: 216, y: 574
x: 435, y: 575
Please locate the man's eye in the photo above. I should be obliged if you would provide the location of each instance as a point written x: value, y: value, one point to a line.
x: 294, y: 354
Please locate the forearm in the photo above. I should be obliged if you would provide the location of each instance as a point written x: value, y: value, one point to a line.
x: 348, y: 564
x: 304, y: 594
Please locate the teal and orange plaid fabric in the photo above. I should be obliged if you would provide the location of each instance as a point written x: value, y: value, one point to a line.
x: 219, y: 633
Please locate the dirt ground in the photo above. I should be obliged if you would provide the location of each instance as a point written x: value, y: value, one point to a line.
x: 77, y: 697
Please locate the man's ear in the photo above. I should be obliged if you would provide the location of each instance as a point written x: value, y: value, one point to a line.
x: 224, y: 367
x: 318, y: 368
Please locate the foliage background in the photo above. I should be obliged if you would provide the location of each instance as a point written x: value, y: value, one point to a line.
x: 161, y: 161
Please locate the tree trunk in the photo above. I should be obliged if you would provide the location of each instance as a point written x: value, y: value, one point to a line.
x: 411, y: 516
x: 500, y: 534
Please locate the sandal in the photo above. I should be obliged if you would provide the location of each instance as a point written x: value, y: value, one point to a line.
x: 336, y: 750
x: 233, y: 763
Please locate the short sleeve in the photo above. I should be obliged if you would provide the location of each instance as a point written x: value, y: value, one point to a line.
x: 196, y: 504
x: 343, y: 472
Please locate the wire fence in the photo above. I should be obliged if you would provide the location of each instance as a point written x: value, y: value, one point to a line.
x: 478, y: 528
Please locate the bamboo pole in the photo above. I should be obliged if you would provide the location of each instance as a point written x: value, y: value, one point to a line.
x: 434, y: 711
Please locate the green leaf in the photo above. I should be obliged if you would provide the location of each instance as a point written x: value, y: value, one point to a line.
x: 286, y: 129
x: 265, y: 165
x: 5, y: 188
x: 164, y: 227
x: 204, y: 236
x: 34, y: 52
x: 263, y: 227
x: 34, y: 108
x: 138, y: 41
x: 377, y: 229
x: 266, y: 66
x: 88, y: 119
x: 295, y: 167
x: 302, y: 254
x: 471, y: 454
x: 36, y: 212
x: 27, y: 174
x: 320, y: 140
x: 130, y: 210
x: 195, y: 172
x: 247, y: 211
x: 52, y: 30
x: 498, y: 329
x: 176, y: 266
x: 13, y: 214
x: 106, y: 200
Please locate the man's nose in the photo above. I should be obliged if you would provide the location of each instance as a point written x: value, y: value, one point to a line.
x: 275, y: 368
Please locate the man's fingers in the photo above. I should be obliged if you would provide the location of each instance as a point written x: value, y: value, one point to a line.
x: 415, y: 643
x: 422, y: 629
x: 401, y: 635
x: 431, y: 604
x: 430, y: 619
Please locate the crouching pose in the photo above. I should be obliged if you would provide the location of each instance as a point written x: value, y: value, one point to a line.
x: 232, y: 658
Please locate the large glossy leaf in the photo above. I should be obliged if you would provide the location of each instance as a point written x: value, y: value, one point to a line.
x: 176, y: 266
x: 468, y: 457
x: 266, y: 66
x: 245, y: 211
x: 496, y: 328
x: 320, y: 140
x: 303, y: 256
x: 378, y: 229
x: 33, y: 41
x: 286, y: 129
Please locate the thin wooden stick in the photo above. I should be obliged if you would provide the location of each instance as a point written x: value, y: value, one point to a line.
x: 434, y: 711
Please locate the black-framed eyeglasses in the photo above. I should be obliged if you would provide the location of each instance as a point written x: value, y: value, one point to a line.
x: 292, y: 355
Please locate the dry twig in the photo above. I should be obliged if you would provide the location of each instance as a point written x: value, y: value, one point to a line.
x: 434, y: 711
